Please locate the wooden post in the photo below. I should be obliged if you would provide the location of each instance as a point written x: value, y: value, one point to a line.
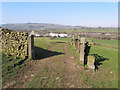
x: 31, y: 47
x: 82, y: 47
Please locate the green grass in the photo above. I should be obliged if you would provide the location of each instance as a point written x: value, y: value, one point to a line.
x: 111, y: 43
x: 42, y: 42
x: 75, y: 53
x: 102, y: 30
x: 63, y: 39
x: 46, y: 44
x: 44, y: 48
x: 111, y: 54
x: 10, y: 67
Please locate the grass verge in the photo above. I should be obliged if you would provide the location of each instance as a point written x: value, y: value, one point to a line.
x: 10, y: 67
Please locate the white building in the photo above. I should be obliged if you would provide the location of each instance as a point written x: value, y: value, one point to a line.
x: 63, y: 35
x: 53, y: 35
x: 57, y: 35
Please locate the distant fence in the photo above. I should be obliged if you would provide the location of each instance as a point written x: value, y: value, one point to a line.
x: 19, y: 44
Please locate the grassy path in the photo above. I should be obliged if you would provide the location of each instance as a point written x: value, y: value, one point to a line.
x: 57, y: 71
x: 53, y: 72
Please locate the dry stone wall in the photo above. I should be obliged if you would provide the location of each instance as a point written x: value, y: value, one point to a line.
x: 15, y: 43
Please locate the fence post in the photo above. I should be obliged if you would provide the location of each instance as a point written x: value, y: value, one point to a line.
x: 82, y: 47
x: 31, y: 47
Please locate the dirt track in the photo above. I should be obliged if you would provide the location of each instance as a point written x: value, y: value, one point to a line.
x: 63, y: 68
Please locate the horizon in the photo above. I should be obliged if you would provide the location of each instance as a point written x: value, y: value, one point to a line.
x: 62, y: 24
x: 89, y: 14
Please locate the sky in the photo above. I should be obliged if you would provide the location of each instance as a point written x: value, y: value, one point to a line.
x: 91, y: 14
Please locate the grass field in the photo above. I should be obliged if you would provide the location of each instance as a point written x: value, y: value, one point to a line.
x: 62, y: 39
x: 102, y: 30
x: 42, y: 42
x: 111, y: 43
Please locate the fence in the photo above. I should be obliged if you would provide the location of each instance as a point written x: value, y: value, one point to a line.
x: 83, y: 47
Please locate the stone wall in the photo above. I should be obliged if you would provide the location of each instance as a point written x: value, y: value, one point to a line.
x: 14, y: 43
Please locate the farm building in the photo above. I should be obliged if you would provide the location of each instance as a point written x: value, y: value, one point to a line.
x: 53, y: 34
x: 63, y: 35
x: 58, y: 35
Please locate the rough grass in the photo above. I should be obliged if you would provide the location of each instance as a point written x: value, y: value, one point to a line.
x: 10, y: 67
x: 75, y: 52
x: 48, y: 79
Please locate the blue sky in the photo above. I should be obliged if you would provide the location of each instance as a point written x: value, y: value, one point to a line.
x: 66, y: 13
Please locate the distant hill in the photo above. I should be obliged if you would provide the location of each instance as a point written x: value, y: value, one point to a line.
x: 37, y: 26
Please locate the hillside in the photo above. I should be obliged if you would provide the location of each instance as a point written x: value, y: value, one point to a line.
x: 47, y: 27
x: 37, y: 26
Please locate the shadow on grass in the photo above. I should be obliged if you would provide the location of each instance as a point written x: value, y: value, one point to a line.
x: 98, y: 60
x: 41, y: 53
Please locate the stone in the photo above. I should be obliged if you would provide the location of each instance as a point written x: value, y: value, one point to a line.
x: 90, y: 62
x: 11, y: 40
x: 111, y: 72
x: 72, y: 57
x: 57, y: 78
x: 32, y: 75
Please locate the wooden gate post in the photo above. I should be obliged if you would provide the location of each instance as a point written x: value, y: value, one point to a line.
x: 31, y: 47
x: 82, y: 47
